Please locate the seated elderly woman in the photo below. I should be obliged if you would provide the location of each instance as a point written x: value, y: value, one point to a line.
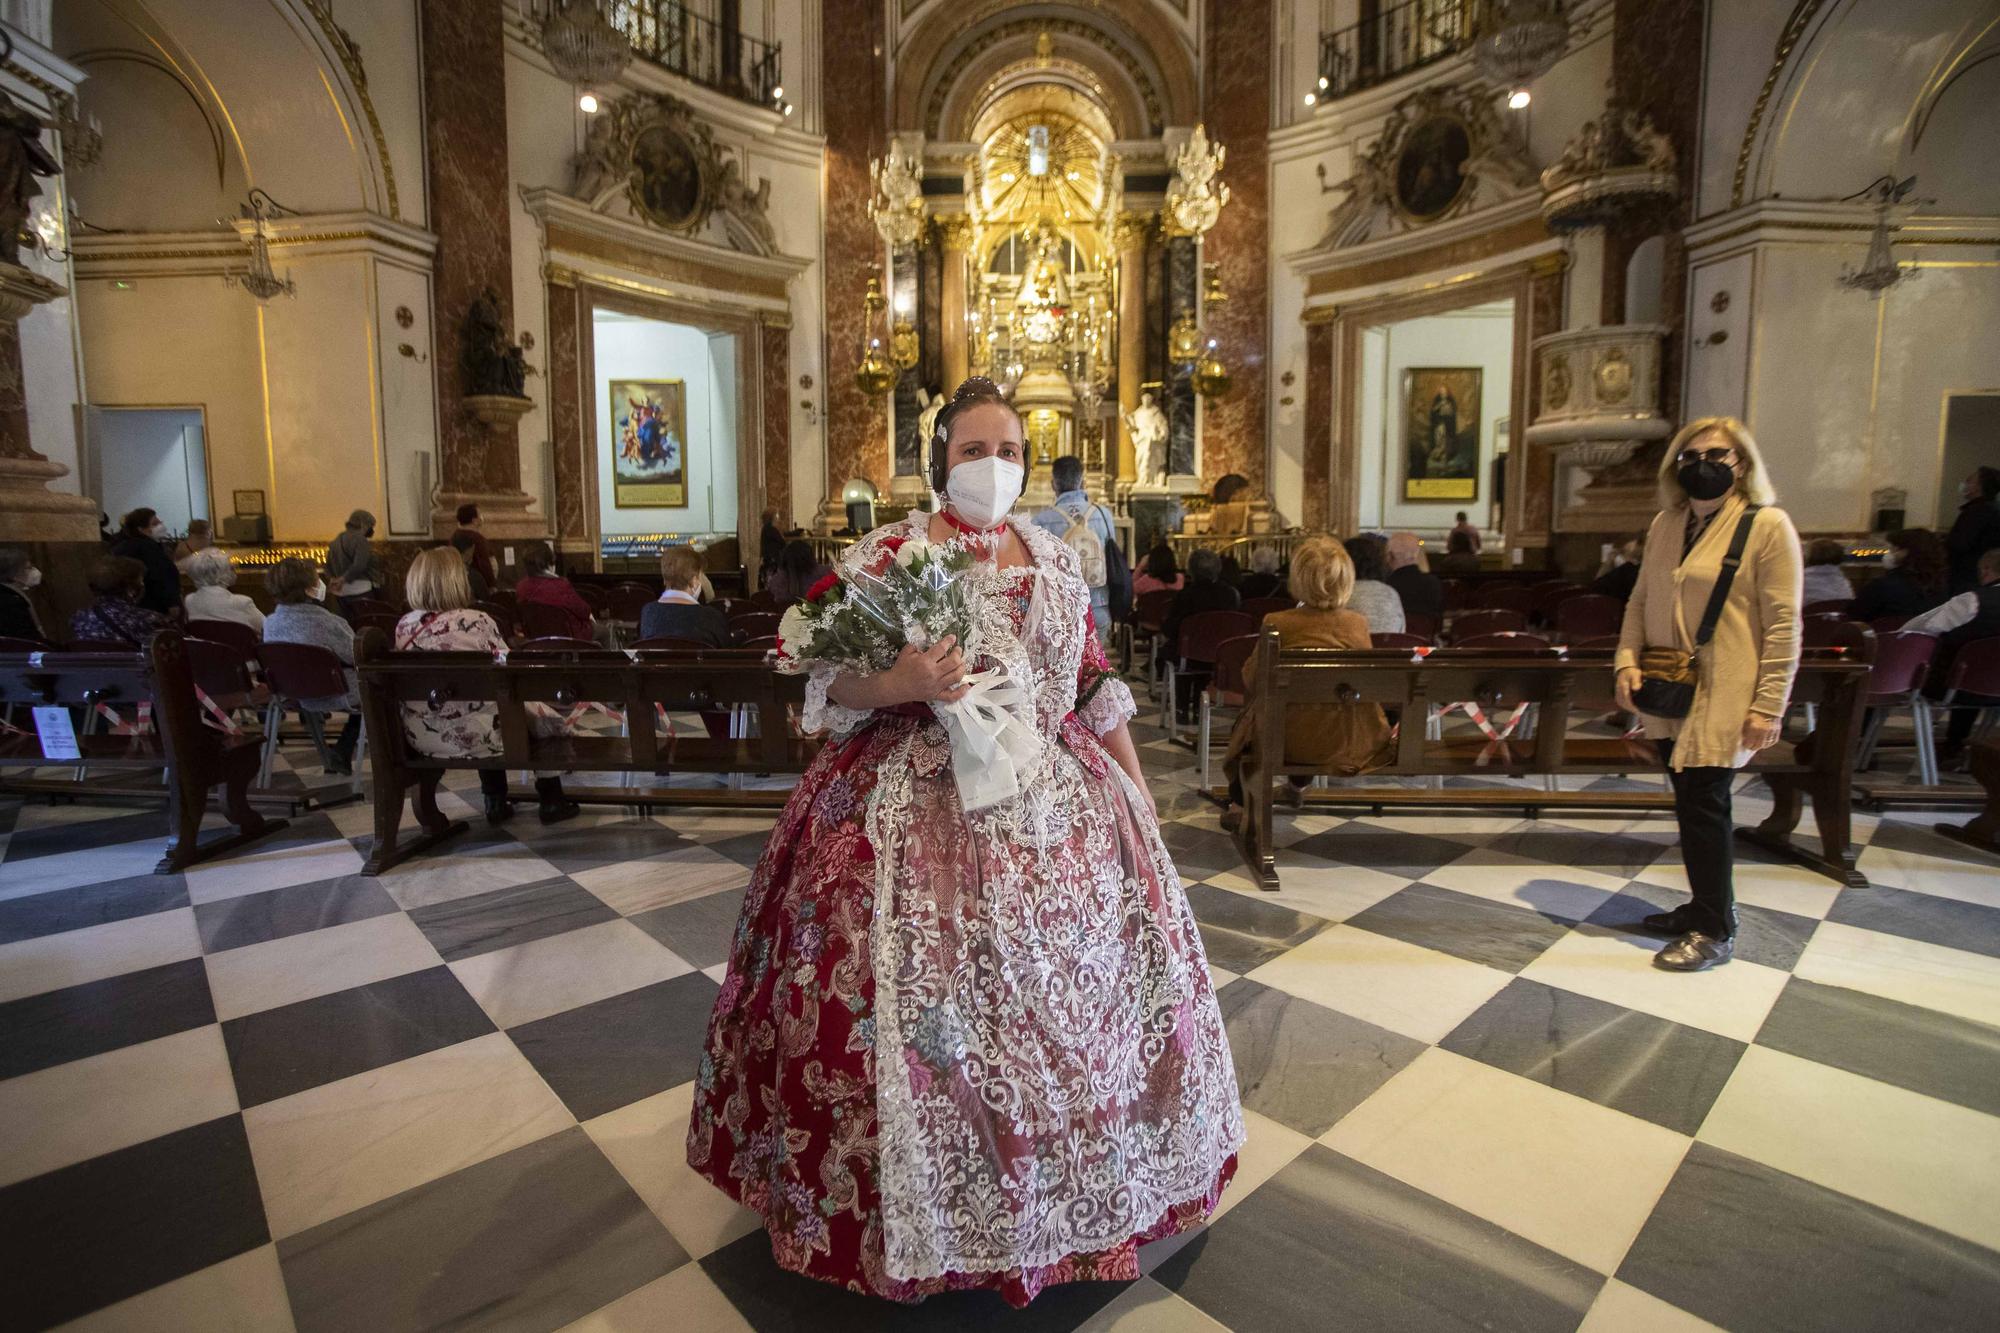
x: 440, y: 620
x: 213, y: 574
x: 1343, y: 738
x: 299, y: 617
x: 1371, y: 595
x: 114, y: 615
x: 1263, y: 580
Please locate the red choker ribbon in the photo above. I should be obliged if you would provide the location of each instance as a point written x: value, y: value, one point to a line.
x: 955, y: 521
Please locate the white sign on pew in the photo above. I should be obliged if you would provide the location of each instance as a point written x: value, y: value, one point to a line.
x: 58, y: 734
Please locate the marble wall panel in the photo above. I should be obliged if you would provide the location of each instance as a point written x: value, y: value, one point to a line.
x: 1237, y: 43
x: 856, y: 129
x: 775, y: 365
x: 1318, y: 425
x: 566, y: 431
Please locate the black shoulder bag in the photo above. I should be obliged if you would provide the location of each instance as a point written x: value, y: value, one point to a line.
x: 1667, y: 675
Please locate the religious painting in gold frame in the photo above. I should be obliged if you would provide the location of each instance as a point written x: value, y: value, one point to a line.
x: 649, y: 468
x: 1441, y: 406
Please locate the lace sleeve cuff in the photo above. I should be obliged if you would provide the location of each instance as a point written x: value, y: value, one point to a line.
x: 822, y: 713
x: 1107, y: 702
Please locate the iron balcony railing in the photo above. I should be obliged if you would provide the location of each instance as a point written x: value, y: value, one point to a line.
x: 717, y: 55
x: 1390, y: 41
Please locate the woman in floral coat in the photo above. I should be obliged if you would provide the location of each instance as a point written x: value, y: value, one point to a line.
x: 953, y: 1049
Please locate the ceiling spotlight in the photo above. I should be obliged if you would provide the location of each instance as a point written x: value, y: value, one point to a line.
x: 1311, y: 98
x: 1517, y: 99
x: 1322, y: 83
x: 587, y: 104
x: 778, y: 93
x: 788, y: 108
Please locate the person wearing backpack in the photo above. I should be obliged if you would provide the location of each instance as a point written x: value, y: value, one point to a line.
x: 1087, y: 530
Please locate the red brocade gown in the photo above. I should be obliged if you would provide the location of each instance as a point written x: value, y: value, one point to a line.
x: 970, y: 1050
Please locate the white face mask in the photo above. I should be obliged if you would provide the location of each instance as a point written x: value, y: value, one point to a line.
x: 984, y: 489
x: 157, y: 531
x: 33, y: 579
x: 1892, y: 559
x: 317, y: 592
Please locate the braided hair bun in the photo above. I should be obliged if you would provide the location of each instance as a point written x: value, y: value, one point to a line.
x: 972, y: 393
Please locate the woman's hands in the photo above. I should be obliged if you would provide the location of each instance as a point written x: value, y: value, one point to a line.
x: 927, y: 675
x: 1628, y: 681
x: 1759, y: 732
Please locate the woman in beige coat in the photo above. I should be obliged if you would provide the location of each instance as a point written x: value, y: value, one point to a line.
x: 1710, y: 478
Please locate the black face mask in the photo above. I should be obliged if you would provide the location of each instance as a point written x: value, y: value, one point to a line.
x: 1705, y: 480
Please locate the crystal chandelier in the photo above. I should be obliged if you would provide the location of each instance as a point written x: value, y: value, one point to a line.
x: 260, y: 280
x: 1515, y: 42
x: 1880, y: 271
x: 583, y: 45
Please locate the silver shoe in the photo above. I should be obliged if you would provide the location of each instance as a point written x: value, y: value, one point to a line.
x: 1695, y: 952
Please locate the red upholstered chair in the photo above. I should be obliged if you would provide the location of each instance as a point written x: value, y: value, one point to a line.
x: 1264, y: 606
x: 1975, y: 671
x: 754, y: 625
x: 628, y: 600
x: 667, y: 643
x: 542, y: 621
x: 1888, y: 624
x: 508, y: 621
x: 1473, y: 623
x: 1423, y: 626
x: 1603, y: 643
x: 1224, y: 690
x: 232, y: 632
x: 1410, y: 641
x: 594, y: 597
x: 1588, y: 615
x: 1504, y: 597
x: 1149, y: 614
x: 358, y: 606
x: 296, y: 671
x: 1546, y: 597
x: 1201, y: 635
x: 1832, y: 606
x: 1896, y: 680
x: 552, y: 646
x: 1510, y: 640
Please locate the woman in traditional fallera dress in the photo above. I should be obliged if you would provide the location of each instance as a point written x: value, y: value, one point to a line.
x: 958, y: 1050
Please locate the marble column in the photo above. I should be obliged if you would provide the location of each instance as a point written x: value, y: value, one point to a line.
x: 567, y: 389
x: 774, y: 336
x: 1131, y: 234
x: 904, y: 290
x: 856, y: 121
x: 954, y: 239
x: 1183, y: 305
x: 1316, y: 504
x: 465, y: 144
x: 1237, y: 42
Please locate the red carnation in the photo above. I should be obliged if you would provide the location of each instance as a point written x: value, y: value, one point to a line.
x: 824, y: 586
x: 894, y: 544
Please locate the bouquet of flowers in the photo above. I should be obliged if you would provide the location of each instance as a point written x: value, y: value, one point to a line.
x: 916, y: 593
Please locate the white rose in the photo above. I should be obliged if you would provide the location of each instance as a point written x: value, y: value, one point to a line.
x: 793, y: 633
x: 912, y: 551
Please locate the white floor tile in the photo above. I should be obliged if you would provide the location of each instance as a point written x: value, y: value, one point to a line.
x: 455, y: 872
x: 547, y: 976
x: 1732, y: 1000
x: 1418, y: 992
x: 263, y: 976
x: 245, y: 1294
x: 1575, y: 1177
x: 1622, y: 1309
x: 637, y: 886
x: 322, y: 1153
x: 1952, y: 981
x: 71, y: 1112
x: 51, y: 962
x: 1943, y: 876
x: 1148, y: 1307
x: 1318, y: 888
x: 1268, y: 1148
x: 1914, y: 1155
x: 1793, y: 889
x: 258, y: 871
x: 647, y: 1142
x: 66, y: 870
x: 1559, y: 891
x: 684, y: 1301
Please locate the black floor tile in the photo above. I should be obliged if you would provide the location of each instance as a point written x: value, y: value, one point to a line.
x: 611, y: 1053
x: 464, y: 927
x: 585, y: 848
x: 85, y: 905
x: 1763, y: 935
x: 1937, y: 1054
x: 256, y: 918
x: 1239, y: 932
x: 1328, y: 1243
x: 697, y: 929
x: 1616, y: 1057
x: 1303, y: 1065
x: 1392, y: 851
x: 1921, y: 916
x: 81, y: 835
x: 1478, y: 930
x: 63, y: 1025
x: 1198, y: 852
x: 1612, y: 853
x: 297, y: 1046
x: 772, y: 1298
x: 92, y: 1234
x: 1747, y: 1246
x: 533, y: 1238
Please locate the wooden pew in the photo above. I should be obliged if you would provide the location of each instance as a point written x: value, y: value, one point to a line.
x: 1983, y: 831
x: 195, y: 757
x: 1497, y: 681
x: 632, y: 687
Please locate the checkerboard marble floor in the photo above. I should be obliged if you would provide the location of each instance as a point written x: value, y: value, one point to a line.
x: 272, y: 1094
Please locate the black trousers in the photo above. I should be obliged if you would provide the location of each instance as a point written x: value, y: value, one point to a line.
x: 1702, y: 807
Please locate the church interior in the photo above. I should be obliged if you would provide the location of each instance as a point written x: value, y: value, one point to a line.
x: 668, y: 303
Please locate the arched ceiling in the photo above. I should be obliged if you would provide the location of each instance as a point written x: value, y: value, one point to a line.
x: 1127, y: 55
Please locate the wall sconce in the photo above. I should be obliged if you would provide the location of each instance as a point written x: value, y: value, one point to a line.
x: 875, y: 375
x: 903, y: 345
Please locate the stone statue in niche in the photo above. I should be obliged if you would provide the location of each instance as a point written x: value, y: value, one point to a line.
x: 491, y: 362
x: 748, y: 208
x: 933, y: 403
x: 22, y: 161
x: 1618, y: 140
x: 648, y: 154
x: 1148, y: 425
